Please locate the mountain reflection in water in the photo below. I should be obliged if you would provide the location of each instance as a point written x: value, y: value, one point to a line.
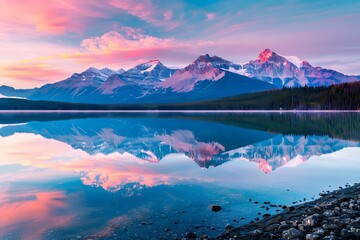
x: 125, y: 154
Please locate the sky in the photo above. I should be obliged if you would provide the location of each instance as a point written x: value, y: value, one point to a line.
x: 46, y: 41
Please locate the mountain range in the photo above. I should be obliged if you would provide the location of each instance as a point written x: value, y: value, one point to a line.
x: 208, y: 77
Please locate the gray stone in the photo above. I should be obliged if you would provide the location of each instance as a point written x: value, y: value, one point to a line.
x: 228, y: 227
x: 345, y: 233
x: 355, y: 231
x: 337, y: 210
x: 330, y: 238
x: 311, y: 236
x: 272, y: 227
x: 329, y: 213
x: 291, y: 233
x: 258, y: 232
x: 355, y: 224
x: 330, y: 227
x: 312, y: 220
x: 303, y: 228
x: 318, y: 231
x: 190, y: 235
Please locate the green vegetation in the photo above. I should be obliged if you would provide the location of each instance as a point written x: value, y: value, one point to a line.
x: 336, y: 97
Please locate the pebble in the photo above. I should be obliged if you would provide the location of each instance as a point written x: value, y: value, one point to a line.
x: 291, y: 233
x: 190, y: 235
x: 215, y: 208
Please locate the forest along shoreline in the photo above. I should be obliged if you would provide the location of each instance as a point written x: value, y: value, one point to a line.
x: 335, y: 215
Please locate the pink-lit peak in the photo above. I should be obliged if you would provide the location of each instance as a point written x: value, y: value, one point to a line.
x: 266, y: 55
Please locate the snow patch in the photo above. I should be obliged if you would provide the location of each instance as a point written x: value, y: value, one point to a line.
x: 294, y: 60
x: 3, y: 96
x: 150, y: 66
x: 239, y: 71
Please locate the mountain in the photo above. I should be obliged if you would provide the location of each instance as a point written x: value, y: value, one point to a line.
x: 292, y: 72
x: 142, y: 77
x: 72, y: 88
x: 207, y: 78
x: 20, y: 93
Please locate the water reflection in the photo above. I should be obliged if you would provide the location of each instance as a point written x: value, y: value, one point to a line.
x: 206, y: 143
x: 96, y: 175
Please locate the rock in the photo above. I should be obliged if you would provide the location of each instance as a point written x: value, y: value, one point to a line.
x: 329, y: 213
x: 355, y: 224
x: 345, y: 234
x: 291, y: 233
x: 337, y: 210
x: 353, y: 206
x: 311, y: 236
x: 190, y: 235
x: 330, y: 227
x: 258, y: 232
x: 355, y: 231
x: 215, y: 208
x: 312, y: 220
x: 303, y: 228
x: 228, y: 226
x: 318, y: 231
x: 317, y: 209
x: 330, y: 238
x: 290, y: 208
x: 205, y: 237
x: 272, y: 227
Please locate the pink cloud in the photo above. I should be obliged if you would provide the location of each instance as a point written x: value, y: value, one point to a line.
x: 53, y: 17
x: 127, y: 45
x: 211, y: 16
x: 28, y: 73
x: 128, y: 39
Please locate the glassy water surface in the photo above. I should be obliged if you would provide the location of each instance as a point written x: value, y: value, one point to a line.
x: 145, y: 176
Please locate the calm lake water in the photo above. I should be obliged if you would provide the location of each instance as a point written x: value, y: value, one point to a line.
x: 146, y: 176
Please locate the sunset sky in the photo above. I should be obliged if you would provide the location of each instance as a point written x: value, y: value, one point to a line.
x: 46, y: 41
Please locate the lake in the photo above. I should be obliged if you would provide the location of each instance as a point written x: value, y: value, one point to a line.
x: 156, y: 175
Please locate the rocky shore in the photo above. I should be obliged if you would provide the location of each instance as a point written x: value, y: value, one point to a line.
x: 334, y: 216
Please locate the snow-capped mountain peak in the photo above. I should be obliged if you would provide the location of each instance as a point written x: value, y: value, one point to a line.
x: 265, y: 55
x: 203, y: 59
x: 276, y: 69
x: 147, y: 66
x: 121, y: 70
x: 108, y: 71
x: 305, y: 64
x: 150, y: 65
x: 92, y: 69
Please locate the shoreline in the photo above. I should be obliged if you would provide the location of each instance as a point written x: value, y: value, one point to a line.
x: 179, y: 111
x: 335, y: 215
